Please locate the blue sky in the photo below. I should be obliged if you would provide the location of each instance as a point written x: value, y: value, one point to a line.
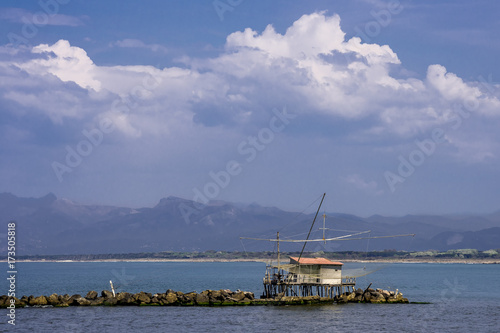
x: 390, y: 107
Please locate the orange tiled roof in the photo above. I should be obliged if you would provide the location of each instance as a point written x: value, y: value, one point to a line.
x: 314, y: 261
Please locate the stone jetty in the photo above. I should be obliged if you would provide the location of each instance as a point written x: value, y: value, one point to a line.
x: 223, y: 297
x: 370, y: 295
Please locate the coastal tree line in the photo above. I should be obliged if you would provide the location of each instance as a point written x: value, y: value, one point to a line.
x: 234, y: 255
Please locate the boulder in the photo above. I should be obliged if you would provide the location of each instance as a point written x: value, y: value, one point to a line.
x: 216, y: 296
x: 249, y: 295
x: 4, y: 301
x: 399, y: 297
x: 142, y: 298
x: 188, y: 298
x: 392, y: 299
x: 122, y: 296
x: 225, y: 293
x: 91, y: 295
x: 351, y: 297
x: 19, y: 302
x: 170, y: 299
x: 64, y: 300
x: 79, y: 301
x: 38, y: 301
x: 110, y: 301
x: 246, y: 301
x: 229, y: 301
x: 377, y: 298
x: 53, y: 300
x: 125, y: 298
x: 202, y: 299
x: 238, y: 296
x: 97, y: 301
x: 342, y: 299
x: 106, y: 294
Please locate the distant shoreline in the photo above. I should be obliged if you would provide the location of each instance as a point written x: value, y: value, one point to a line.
x: 394, y: 261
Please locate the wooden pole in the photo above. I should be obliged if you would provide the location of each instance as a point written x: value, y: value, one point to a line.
x: 112, y: 288
x: 278, y: 245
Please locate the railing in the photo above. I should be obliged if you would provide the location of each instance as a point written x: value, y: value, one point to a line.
x: 302, y: 279
x: 349, y: 280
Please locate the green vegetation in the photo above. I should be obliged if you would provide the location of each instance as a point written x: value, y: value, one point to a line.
x: 224, y: 255
x: 461, y: 253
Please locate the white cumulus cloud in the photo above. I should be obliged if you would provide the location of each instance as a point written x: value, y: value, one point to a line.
x: 311, y: 66
x: 68, y: 63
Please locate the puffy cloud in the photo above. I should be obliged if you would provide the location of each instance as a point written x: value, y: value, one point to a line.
x: 311, y: 66
x: 68, y: 63
x: 450, y: 86
x: 311, y: 35
x: 356, y: 106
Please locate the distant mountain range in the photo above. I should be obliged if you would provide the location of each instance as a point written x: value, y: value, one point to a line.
x: 49, y: 225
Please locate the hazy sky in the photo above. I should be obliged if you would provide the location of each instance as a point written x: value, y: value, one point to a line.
x: 389, y: 107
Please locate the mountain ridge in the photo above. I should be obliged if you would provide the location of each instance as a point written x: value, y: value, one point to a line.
x: 49, y: 225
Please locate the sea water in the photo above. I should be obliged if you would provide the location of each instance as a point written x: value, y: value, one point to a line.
x: 463, y: 298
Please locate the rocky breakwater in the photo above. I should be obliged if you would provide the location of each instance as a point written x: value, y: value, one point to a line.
x: 221, y: 297
x: 370, y: 295
x: 106, y: 298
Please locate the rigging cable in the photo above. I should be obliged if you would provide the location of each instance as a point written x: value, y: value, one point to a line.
x: 300, y: 213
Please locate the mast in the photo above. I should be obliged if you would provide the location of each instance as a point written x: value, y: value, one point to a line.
x: 278, y: 246
x: 312, y: 225
x: 324, y: 227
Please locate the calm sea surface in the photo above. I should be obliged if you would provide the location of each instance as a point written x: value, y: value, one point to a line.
x: 465, y: 298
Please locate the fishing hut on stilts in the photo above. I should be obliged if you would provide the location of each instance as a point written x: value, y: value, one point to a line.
x: 309, y: 276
